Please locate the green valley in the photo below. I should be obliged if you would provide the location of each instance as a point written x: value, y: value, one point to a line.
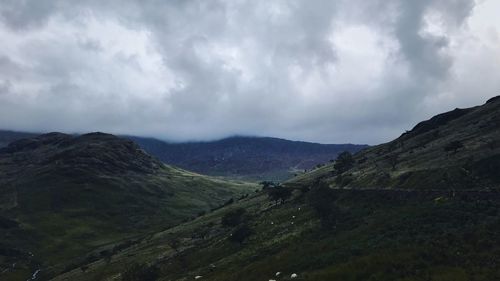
x: 330, y: 231
x: 63, y: 196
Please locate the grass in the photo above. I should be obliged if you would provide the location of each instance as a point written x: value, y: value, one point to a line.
x: 66, y: 221
x: 377, y: 237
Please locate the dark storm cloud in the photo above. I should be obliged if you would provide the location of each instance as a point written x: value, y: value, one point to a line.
x: 329, y: 71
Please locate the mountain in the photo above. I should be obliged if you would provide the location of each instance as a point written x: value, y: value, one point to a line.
x: 254, y: 158
x: 455, y: 150
x: 7, y: 137
x: 421, y: 230
x: 246, y: 158
x: 62, y: 196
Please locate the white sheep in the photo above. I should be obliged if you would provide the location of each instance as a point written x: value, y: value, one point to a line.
x: 293, y: 217
x: 198, y: 277
x: 272, y: 280
x: 278, y: 274
x: 293, y: 276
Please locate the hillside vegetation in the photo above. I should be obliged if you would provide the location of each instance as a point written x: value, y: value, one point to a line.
x: 415, y: 232
x: 63, y: 196
x: 456, y: 150
x: 368, y: 235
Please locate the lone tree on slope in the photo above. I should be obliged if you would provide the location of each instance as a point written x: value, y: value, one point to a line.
x: 344, y: 162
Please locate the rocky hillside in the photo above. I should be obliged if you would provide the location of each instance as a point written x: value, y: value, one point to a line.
x: 64, y: 195
x: 254, y: 158
x: 459, y: 149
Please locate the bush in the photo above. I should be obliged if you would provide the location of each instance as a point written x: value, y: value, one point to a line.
x: 233, y: 218
x: 141, y: 272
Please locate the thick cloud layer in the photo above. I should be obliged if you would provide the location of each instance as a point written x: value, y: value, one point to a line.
x: 318, y: 70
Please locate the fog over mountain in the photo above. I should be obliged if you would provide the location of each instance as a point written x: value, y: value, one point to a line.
x: 324, y: 71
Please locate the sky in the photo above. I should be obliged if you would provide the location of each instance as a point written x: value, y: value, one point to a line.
x: 329, y: 71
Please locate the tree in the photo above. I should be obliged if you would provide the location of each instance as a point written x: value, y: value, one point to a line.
x: 453, y: 146
x: 344, y: 162
x: 279, y: 193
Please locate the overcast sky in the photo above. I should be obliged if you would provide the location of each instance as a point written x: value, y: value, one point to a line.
x: 327, y: 71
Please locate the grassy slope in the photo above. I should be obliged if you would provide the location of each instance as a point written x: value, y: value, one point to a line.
x: 378, y: 237
x: 67, y: 206
x: 421, y: 160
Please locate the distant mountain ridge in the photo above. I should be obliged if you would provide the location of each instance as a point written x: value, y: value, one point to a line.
x: 239, y: 157
x: 256, y: 158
